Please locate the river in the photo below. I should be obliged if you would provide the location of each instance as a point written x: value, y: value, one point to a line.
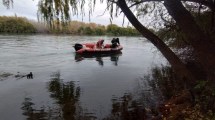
x: 67, y: 86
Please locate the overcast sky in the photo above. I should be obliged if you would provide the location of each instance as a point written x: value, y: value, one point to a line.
x: 28, y: 8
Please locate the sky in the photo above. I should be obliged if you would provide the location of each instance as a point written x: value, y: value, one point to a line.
x: 28, y: 9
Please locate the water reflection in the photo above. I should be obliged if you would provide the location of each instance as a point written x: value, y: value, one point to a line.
x: 99, y: 57
x: 31, y: 113
x: 135, y: 106
x: 66, y: 96
x: 141, y: 104
x: 126, y: 108
x: 165, y: 81
x: 144, y: 103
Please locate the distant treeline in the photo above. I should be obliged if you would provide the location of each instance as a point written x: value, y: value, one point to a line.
x: 23, y: 25
x: 15, y: 25
x: 81, y: 28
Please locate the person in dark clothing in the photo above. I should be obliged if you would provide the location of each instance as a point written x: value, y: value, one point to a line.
x: 115, y: 42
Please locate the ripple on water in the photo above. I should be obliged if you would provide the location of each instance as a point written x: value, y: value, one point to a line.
x: 106, y: 83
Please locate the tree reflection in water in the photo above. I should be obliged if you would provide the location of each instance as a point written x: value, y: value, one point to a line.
x: 142, y: 104
x: 31, y: 113
x: 165, y: 80
x: 126, y: 108
x: 150, y: 92
x: 66, y: 95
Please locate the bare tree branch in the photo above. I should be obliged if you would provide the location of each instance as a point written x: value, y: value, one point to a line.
x: 113, y: 1
x: 104, y: 11
x: 208, y: 3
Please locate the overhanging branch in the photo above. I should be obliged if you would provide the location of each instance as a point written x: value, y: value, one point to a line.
x: 207, y: 3
x: 113, y: 1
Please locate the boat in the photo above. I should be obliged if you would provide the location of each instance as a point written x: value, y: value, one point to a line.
x: 93, y: 48
x: 79, y: 57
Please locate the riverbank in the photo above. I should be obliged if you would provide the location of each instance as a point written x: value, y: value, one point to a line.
x: 21, y: 25
x: 181, y: 107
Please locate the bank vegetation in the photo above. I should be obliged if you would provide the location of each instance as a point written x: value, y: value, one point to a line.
x: 14, y: 24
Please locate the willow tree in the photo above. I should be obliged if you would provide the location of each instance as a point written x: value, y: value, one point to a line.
x: 202, y: 44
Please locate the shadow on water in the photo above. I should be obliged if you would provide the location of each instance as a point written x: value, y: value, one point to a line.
x: 164, y: 80
x: 144, y: 103
x: 126, y: 108
x: 66, y: 96
x: 141, y: 104
x: 114, y: 57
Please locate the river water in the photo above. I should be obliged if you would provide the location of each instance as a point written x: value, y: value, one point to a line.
x: 67, y: 86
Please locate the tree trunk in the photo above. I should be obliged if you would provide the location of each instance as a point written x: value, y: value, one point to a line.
x: 176, y: 63
x: 203, y: 46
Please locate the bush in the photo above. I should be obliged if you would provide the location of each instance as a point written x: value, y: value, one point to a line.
x: 15, y: 25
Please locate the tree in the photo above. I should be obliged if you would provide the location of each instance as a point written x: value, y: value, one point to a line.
x: 176, y: 63
x: 88, y: 31
x: 189, y: 27
x: 113, y: 29
x: 203, y: 45
x: 99, y: 31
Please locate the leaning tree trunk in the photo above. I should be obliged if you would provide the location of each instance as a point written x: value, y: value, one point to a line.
x: 203, y: 46
x: 176, y: 63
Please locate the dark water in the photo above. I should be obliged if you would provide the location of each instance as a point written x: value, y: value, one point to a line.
x: 67, y: 86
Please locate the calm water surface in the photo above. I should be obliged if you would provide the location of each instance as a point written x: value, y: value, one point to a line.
x: 67, y: 86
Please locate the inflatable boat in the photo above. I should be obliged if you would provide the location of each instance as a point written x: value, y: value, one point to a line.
x: 92, y: 48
